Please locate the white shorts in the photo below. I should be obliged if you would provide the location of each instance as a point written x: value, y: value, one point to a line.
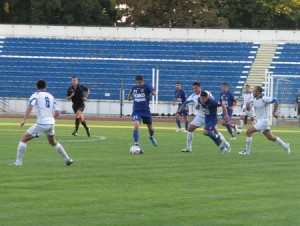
x: 248, y: 113
x: 36, y: 130
x: 198, y: 121
x: 262, y: 125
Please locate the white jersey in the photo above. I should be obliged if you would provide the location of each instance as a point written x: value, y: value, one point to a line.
x: 261, y: 106
x: 45, y: 105
x: 248, y: 97
x: 194, y: 97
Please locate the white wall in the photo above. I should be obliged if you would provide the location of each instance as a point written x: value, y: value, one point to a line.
x: 269, y: 36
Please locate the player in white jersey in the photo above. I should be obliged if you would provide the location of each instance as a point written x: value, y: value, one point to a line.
x: 47, y: 111
x: 261, y: 108
x: 247, y: 97
x: 199, y: 120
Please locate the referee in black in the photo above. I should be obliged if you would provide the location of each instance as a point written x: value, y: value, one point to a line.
x: 78, y: 94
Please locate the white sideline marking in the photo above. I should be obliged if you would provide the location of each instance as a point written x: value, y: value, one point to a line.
x: 75, y: 140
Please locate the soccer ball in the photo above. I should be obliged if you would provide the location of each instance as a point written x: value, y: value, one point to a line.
x: 135, y: 150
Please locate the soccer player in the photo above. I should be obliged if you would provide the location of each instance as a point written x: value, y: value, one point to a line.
x: 78, y: 94
x: 180, y: 98
x: 47, y: 111
x: 227, y: 98
x: 199, y: 120
x: 297, y: 104
x: 247, y: 97
x: 141, y: 94
x: 261, y: 107
x: 210, y: 107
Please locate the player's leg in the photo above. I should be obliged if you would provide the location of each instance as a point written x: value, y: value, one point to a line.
x: 224, y: 142
x: 31, y: 133
x: 59, y: 148
x: 242, y: 119
x: 136, y: 125
x: 148, y: 122
x: 83, y: 122
x: 177, y: 118
x: 209, y: 131
x: 253, y: 129
x: 186, y: 122
x: 21, y: 149
x: 77, y: 119
x: 271, y: 137
x: 196, y: 123
x: 229, y: 127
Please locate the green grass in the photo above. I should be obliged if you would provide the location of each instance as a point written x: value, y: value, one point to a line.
x: 108, y: 186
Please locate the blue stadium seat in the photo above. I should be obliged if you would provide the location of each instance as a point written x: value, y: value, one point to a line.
x: 107, y: 65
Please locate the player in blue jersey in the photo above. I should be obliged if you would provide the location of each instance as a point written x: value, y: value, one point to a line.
x: 227, y: 98
x: 209, y: 107
x: 199, y: 120
x: 141, y: 94
x: 180, y: 98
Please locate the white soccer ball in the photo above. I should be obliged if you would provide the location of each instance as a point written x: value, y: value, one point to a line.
x: 135, y: 150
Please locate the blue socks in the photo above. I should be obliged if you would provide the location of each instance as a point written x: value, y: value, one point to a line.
x: 178, y: 123
x: 216, y: 138
x: 186, y: 125
x: 136, y: 137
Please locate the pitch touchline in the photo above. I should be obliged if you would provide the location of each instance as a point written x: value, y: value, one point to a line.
x: 142, y: 127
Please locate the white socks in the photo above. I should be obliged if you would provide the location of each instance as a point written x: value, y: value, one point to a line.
x: 248, y: 143
x: 241, y: 124
x: 281, y: 143
x: 189, y: 140
x: 60, y: 149
x: 20, y: 151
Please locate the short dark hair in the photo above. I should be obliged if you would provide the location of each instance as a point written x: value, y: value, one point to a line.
x: 204, y: 94
x: 259, y: 89
x: 224, y: 84
x: 247, y: 85
x: 74, y: 77
x: 139, y: 78
x: 196, y: 84
x: 41, y: 84
x: 177, y: 82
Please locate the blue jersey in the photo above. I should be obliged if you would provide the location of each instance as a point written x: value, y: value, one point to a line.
x: 210, y: 109
x: 141, y: 97
x: 180, y: 97
x: 227, y: 99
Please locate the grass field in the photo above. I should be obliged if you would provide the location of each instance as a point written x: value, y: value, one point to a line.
x: 108, y: 186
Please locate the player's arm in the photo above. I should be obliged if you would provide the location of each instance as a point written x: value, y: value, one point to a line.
x: 276, y: 104
x: 70, y: 94
x: 225, y: 113
x: 235, y: 101
x: 174, y: 101
x: 28, y: 111
x: 249, y: 105
x: 154, y: 92
x: 56, y: 114
x: 129, y: 95
x: 183, y: 106
x: 87, y: 93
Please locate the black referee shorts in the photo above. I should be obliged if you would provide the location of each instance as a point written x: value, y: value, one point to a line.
x: 78, y: 107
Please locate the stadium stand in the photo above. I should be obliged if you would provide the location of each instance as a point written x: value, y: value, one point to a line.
x: 105, y: 66
x: 286, y: 62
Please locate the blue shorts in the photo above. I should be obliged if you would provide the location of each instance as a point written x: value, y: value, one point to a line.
x: 211, y: 125
x: 184, y: 113
x: 229, y: 112
x: 145, y: 117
